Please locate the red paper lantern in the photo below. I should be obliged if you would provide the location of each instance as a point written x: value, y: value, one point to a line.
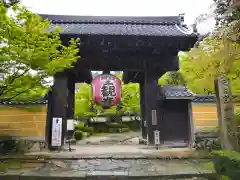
x: 106, y: 90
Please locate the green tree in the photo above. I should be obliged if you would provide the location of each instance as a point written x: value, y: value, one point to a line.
x: 83, y: 98
x: 225, y: 12
x: 131, y: 98
x: 213, y: 58
x: 129, y: 101
x: 9, y: 3
x: 172, y: 78
x: 29, y: 52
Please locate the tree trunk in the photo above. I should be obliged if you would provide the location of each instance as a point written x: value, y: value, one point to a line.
x: 226, y: 115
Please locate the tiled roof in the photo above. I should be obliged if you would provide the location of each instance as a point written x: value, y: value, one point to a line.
x: 103, y: 25
x: 211, y: 98
x: 174, y: 92
x: 35, y: 102
x: 177, y: 92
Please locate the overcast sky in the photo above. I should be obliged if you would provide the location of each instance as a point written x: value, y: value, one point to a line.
x: 191, y: 8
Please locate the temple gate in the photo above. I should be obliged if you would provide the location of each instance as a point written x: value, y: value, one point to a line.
x: 144, y: 48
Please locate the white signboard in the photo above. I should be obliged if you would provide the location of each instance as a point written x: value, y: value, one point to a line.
x: 157, y: 137
x: 56, y: 132
x: 145, y: 123
x: 154, y: 117
x: 147, y: 140
x: 70, y: 124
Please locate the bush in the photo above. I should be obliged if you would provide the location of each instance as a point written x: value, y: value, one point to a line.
x: 102, y: 130
x: 78, y: 135
x: 81, y: 127
x: 237, y: 117
x: 125, y: 129
x: 116, y: 125
x: 227, y: 163
x: 133, y: 125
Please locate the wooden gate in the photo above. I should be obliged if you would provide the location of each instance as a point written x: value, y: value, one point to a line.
x: 175, y: 126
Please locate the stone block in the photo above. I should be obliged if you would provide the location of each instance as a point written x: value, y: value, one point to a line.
x: 9, y: 177
x: 50, y: 178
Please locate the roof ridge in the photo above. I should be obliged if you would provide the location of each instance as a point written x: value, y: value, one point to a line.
x: 141, y: 20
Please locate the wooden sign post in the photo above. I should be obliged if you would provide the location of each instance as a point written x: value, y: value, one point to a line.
x: 226, y: 117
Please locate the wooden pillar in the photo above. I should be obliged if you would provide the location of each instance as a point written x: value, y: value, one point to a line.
x: 49, y: 119
x: 71, y: 98
x: 59, y: 103
x: 191, y: 124
x: 151, y: 91
x: 160, y: 111
x: 142, y: 111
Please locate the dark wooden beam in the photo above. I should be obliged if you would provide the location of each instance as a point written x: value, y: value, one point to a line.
x: 116, y: 62
x: 142, y: 111
x: 106, y: 72
x: 71, y: 97
x: 48, y: 128
x: 118, y: 43
x: 82, y: 75
x: 158, y: 68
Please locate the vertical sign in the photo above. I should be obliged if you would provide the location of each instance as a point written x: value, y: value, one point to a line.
x: 145, y: 123
x: 70, y: 124
x: 157, y: 137
x: 56, y: 132
x: 225, y: 109
x: 154, y: 117
x: 147, y: 140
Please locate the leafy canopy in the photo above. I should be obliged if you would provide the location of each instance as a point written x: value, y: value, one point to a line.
x: 29, y: 52
x: 215, y: 56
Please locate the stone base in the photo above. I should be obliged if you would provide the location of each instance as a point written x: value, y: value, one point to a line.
x: 110, y: 176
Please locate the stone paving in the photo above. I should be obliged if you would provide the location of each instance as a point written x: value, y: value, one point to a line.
x: 101, y: 167
x: 118, y: 156
x: 107, y: 139
x: 105, y: 151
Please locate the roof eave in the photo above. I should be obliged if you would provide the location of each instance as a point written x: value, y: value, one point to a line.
x: 179, y: 98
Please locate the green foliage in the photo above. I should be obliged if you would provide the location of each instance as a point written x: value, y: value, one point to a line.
x: 116, y: 125
x: 83, y: 99
x: 214, y: 57
x: 225, y: 13
x: 131, y: 98
x: 172, y: 78
x: 237, y: 117
x: 129, y: 101
x: 133, y: 125
x: 227, y: 163
x: 10, y: 3
x: 81, y: 127
x: 78, y: 135
x: 29, y: 52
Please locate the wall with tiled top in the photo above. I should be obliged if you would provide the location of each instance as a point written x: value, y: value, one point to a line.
x: 22, y: 121
x: 31, y: 121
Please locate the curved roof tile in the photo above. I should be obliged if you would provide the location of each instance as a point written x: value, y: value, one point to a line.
x: 107, y: 25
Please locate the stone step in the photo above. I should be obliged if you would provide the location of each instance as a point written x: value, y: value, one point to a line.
x: 109, y: 176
